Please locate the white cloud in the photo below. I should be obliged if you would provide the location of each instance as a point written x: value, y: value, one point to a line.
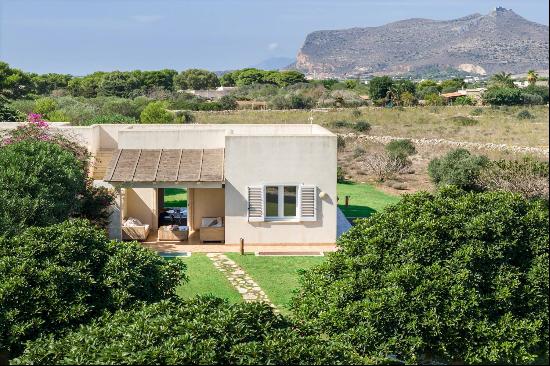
x: 146, y: 18
x: 273, y: 46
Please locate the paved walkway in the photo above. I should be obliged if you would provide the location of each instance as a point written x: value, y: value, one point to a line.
x: 245, y: 285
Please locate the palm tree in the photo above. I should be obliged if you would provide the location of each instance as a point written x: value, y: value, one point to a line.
x: 503, y: 80
x: 532, y: 77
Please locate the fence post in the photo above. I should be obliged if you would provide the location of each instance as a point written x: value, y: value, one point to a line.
x: 242, y: 246
x: 347, y: 201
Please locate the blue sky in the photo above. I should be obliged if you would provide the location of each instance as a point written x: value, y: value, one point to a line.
x: 80, y: 36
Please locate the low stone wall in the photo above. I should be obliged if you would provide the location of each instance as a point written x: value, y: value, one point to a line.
x: 456, y: 144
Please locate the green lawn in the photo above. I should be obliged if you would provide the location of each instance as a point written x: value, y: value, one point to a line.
x: 364, y: 199
x: 277, y: 276
x: 205, y: 279
x: 175, y: 197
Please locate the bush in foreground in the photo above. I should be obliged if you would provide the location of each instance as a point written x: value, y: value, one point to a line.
x: 446, y: 277
x: 200, y: 331
x: 57, y: 277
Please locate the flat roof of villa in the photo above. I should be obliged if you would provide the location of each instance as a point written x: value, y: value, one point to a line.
x: 166, y: 165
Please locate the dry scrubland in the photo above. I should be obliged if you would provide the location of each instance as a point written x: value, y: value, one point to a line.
x: 495, y: 125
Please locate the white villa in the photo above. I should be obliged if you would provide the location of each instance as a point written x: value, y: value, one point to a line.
x: 264, y: 184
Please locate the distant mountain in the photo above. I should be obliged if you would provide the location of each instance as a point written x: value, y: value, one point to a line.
x: 274, y: 63
x: 476, y: 44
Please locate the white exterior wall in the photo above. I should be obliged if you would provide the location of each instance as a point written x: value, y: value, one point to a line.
x: 254, y: 160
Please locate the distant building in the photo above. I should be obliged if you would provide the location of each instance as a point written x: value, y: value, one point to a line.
x: 211, y: 94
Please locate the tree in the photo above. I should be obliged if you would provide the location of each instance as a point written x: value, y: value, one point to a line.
x: 118, y: 84
x: 14, y: 83
x: 200, y: 331
x: 532, y: 77
x: 251, y: 76
x: 379, y: 87
x: 434, y: 99
x: 227, y: 79
x: 46, y: 83
x: 39, y: 183
x: 156, y: 112
x: 450, y: 277
x: 459, y: 168
x: 86, y: 86
x: 57, y: 277
x: 502, y: 96
x: 195, y: 79
x: 501, y: 80
x: 451, y: 85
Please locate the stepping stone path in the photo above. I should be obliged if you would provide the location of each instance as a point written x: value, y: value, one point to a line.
x: 245, y: 285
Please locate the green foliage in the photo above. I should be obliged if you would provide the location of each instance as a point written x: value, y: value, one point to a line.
x: 458, y: 167
x: 450, y: 277
x: 44, y: 106
x: 503, y: 96
x: 196, y: 79
x: 434, y: 100
x: 39, y: 183
x: 184, y: 117
x: 464, y: 100
x: 464, y: 121
x: 228, y: 102
x: 156, y: 112
x: 531, y: 99
x: 541, y: 91
x: 125, y: 107
x: 57, y: 277
x: 451, y: 85
x: 340, y: 142
x: 118, y: 84
x: 379, y: 87
x: 109, y: 118
x: 292, y: 101
x: 58, y: 116
x: 46, y: 83
x: 8, y: 113
x: 14, y: 83
x: 401, y: 148
x: 525, y: 114
x: 502, y: 80
x: 227, y: 79
x: 362, y: 126
x: 476, y: 112
x: 200, y: 331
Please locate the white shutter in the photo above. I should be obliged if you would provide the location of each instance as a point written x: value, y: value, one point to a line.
x: 256, y: 203
x: 308, y: 202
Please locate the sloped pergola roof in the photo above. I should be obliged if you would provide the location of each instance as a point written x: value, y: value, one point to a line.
x: 166, y: 166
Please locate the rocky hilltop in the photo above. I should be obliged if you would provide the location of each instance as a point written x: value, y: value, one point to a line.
x: 478, y: 44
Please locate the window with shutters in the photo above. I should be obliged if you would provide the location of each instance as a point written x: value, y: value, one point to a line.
x: 282, y: 203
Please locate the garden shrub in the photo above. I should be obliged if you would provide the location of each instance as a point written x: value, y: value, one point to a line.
x: 340, y: 175
x: 531, y: 99
x: 184, y: 117
x: 30, y: 181
x: 450, y: 277
x: 541, y: 91
x: 44, y: 106
x: 156, y: 112
x: 340, y: 142
x: 204, y: 330
x: 362, y: 126
x: 57, y: 277
x: 458, y: 167
x: 228, y: 102
x: 39, y: 184
x: 525, y: 114
x: 121, y: 106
